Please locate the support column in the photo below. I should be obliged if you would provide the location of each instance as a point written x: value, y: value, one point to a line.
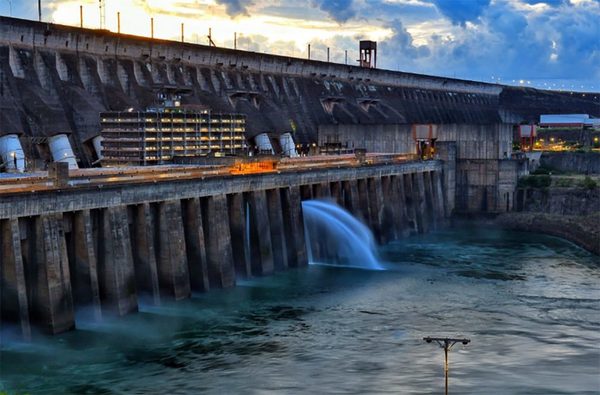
x: 53, y: 302
x: 294, y: 226
x: 419, y: 201
x: 238, y: 222
x: 411, y: 203
x: 439, y: 195
x: 390, y: 220
x: 363, y: 202
x: 280, y: 255
x: 14, y: 303
x: 86, y: 286
x: 430, y: 216
x: 306, y: 192
x: 321, y: 191
x: 337, y: 193
x: 116, y: 268
x: 173, y: 274
x: 195, y: 246
x: 260, y: 234
x: 144, y: 253
x: 351, y: 198
x: 215, y: 218
x: 397, y: 183
x: 375, y: 206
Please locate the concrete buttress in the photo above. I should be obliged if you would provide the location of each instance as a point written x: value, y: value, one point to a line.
x: 196, y: 246
x: 173, y: 273
x: 221, y: 271
x: 144, y: 253
x: 53, y: 302
x: 260, y: 234
x: 85, y: 284
x: 294, y: 226
x: 278, y: 240
x: 14, y: 305
x: 116, y: 268
x: 239, y: 236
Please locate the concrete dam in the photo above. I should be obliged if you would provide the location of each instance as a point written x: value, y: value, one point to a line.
x: 105, y: 238
x: 104, y: 245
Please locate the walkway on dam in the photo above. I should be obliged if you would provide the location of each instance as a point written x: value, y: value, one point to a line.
x: 17, y: 183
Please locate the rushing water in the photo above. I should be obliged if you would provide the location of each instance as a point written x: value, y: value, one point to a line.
x: 530, y: 304
x: 335, y: 237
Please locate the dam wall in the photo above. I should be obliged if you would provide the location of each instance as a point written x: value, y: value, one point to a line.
x: 480, y: 175
x: 101, y: 249
x: 56, y: 80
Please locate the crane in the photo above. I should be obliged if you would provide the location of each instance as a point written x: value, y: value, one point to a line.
x: 101, y: 5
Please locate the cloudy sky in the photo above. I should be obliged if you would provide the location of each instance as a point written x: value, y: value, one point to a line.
x: 543, y: 43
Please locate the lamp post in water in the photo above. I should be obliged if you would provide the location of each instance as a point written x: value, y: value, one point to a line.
x: 446, y: 343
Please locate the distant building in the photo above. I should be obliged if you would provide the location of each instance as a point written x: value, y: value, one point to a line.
x: 169, y: 132
x: 579, y: 121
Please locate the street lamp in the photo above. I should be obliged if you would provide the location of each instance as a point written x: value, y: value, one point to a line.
x: 446, y: 343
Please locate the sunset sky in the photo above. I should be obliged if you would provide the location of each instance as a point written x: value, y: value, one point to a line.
x: 543, y: 43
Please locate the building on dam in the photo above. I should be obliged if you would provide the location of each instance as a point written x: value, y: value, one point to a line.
x: 169, y: 132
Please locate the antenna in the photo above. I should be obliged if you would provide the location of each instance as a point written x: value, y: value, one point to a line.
x: 102, y: 8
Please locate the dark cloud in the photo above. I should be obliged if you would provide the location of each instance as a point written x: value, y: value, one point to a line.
x: 400, y: 47
x: 339, y: 10
x: 556, y: 43
x: 461, y: 11
x: 235, y: 7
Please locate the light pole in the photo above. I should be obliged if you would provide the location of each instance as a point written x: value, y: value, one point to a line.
x: 446, y: 343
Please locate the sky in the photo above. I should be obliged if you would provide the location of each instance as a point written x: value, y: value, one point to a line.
x: 548, y: 44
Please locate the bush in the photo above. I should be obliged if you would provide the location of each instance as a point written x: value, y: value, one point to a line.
x: 588, y: 183
x: 563, y: 182
x: 535, y: 181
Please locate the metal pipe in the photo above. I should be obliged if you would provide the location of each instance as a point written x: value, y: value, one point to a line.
x: 328, y: 55
x: 81, y: 16
x: 308, y: 51
x: 40, y: 9
x: 151, y: 27
x: 119, y: 22
x: 182, y: 33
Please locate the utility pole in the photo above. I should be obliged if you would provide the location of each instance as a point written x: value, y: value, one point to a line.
x: 446, y: 343
x: 102, y: 10
x: 211, y: 43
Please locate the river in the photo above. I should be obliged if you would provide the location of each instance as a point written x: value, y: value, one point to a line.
x: 529, y: 303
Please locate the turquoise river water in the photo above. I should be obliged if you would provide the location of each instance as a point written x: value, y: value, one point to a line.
x: 530, y: 305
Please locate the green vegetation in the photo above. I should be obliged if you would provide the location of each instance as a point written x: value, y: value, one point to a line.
x: 535, y: 181
x: 562, y: 182
x: 588, y: 183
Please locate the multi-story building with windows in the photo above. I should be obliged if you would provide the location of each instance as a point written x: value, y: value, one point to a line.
x: 161, y: 135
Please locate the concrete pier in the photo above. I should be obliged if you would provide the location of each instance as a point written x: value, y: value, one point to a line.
x: 101, y: 249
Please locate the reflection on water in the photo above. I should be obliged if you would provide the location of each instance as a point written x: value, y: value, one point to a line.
x: 530, y: 304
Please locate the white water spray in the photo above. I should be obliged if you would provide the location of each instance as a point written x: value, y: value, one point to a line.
x: 334, y: 236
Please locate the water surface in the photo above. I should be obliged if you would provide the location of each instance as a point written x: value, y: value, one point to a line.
x: 530, y: 305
